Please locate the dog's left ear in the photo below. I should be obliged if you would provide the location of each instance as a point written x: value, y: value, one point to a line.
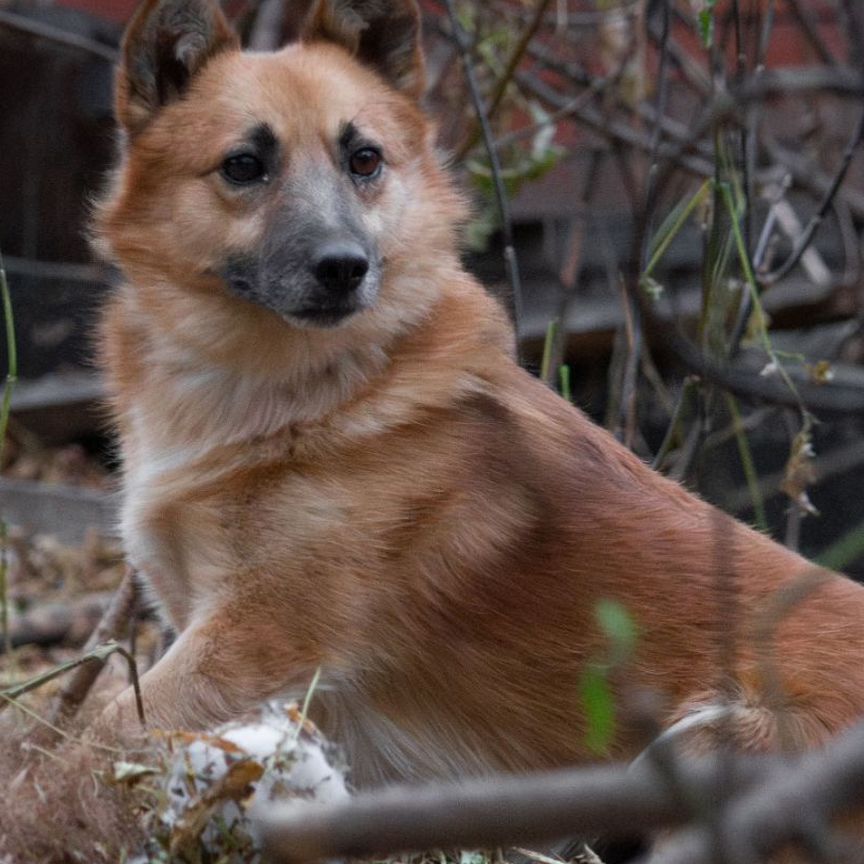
x: 382, y: 34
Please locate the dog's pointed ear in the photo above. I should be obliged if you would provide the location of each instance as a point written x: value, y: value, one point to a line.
x: 382, y: 34
x: 165, y: 44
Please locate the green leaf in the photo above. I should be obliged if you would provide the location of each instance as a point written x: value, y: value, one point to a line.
x: 843, y: 552
x: 651, y: 288
x: 598, y: 702
x: 548, y: 345
x: 599, y: 708
x: 566, y: 385
x: 672, y: 225
x: 705, y: 21
x: 130, y: 772
x: 618, y: 627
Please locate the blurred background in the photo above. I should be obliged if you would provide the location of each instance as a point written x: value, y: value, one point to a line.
x: 674, y: 215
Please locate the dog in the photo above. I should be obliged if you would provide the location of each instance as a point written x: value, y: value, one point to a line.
x: 332, y: 461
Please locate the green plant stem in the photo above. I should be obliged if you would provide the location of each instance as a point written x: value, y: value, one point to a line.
x: 668, y: 233
x: 747, y: 464
x: 307, y: 701
x: 100, y: 655
x: 566, y: 384
x: 5, y: 409
x: 753, y: 288
x: 672, y: 430
x: 842, y: 552
x: 548, y: 346
x: 4, y: 591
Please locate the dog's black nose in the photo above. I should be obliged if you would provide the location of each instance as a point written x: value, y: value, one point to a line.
x: 340, y: 267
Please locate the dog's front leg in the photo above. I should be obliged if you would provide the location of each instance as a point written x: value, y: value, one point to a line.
x: 215, y: 671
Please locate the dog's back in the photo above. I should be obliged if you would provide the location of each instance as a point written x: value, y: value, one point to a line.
x: 331, y: 459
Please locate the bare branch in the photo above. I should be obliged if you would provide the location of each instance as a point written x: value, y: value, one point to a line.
x: 112, y: 627
x: 266, y: 32
x: 612, y: 800
x: 810, y: 27
x: 795, y: 804
x: 474, y: 132
x: 616, y: 131
x: 62, y: 271
x: 762, y: 808
x: 806, y: 237
x: 54, y: 34
x: 822, y: 399
x: 510, y: 259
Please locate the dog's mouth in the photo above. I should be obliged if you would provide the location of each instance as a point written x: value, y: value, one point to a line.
x: 300, y: 301
x: 305, y: 304
x: 321, y: 315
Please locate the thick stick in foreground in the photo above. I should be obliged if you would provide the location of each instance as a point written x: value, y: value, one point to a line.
x: 501, y: 811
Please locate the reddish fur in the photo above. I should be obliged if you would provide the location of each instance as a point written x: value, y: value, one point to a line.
x: 434, y: 530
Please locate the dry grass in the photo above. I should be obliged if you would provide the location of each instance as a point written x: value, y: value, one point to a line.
x: 58, y: 806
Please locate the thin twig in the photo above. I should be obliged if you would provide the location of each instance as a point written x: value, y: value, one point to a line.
x: 672, y: 430
x: 747, y: 465
x: 5, y: 409
x: 810, y: 27
x: 11, y: 357
x: 266, y: 32
x: 639, y: 252
x: 725, y: 105
x: 475, y: 131
x: 745, y: 310
x: 510, y: 259
x: 831, y: 464
x: 795, y: 805
x: 98, y: 655
x: 808, y: 175
x: 113, y: 625
x: 627, y: 421
x: 657, y: 137
x: 568, y: 109
x: 65, y: 271
x: 854, y: 31
x: 572, y: 258
x: 824, y: 399
x: 307, y: 701
x: 686, y: 64
x: 844, y: 550
x: 55, y: 34
x: 743, y: 129
x: 753, y: 119
x: 615, y: 130
x: 806, y: 237
x: 645, y: 111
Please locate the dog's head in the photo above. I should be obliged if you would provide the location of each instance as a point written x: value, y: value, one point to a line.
x: 301, y: 185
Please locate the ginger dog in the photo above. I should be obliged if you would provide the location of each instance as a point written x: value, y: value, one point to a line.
x: 332, y: 460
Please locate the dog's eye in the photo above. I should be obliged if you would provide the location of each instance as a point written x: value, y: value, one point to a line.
x: 243, y: 168
x: 365, y: 162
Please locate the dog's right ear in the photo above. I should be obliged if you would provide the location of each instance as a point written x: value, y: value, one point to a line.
x: 382, y: 34
x: 165, y: 44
